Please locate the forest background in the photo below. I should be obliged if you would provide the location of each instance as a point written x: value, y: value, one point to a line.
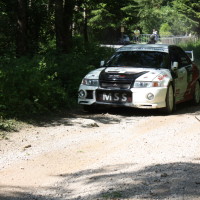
x: 47, y: 46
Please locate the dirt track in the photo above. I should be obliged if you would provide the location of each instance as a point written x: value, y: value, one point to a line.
x: 122, y: 154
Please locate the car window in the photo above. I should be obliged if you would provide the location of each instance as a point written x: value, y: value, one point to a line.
x: 178, y: 55
x: 174, y: 55
x: 184, y: 60
x: 140, y: 59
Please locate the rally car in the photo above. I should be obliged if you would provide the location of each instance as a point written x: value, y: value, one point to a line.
x: 148, y: 76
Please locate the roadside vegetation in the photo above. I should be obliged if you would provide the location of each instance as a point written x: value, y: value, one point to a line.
x: 8, y: 125
x: 43, y: 84
x: 196, y: 49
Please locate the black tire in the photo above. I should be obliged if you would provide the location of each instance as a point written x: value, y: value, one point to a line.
x: 170, y: 101
x: 196, y: 95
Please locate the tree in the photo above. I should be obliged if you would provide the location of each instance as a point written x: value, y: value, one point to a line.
x: 189, y: 10
x: 39, y: 19
x: 82, y: 13
x: 149, y: 14
x: 63, y: 24
x: 108, y: 16
x: 38, y: 25
x: 165, y: 30
x: 21, y: 32
x: 7, y: 35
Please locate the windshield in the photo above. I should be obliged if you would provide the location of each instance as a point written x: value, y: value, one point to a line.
x: 139, y: 59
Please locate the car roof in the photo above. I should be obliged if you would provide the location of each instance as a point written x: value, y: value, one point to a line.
x: 146, y: 47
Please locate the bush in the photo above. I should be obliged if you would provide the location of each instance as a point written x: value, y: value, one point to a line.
x: 195, y: 46
x: 34, y: 85
x: 165, y: 30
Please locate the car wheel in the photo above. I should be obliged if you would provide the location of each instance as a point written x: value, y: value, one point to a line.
x: 170, y: 105
x: 196, y: 99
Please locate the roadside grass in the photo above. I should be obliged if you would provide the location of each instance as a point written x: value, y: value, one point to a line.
x: 7, y: 126
x: 112, y: 195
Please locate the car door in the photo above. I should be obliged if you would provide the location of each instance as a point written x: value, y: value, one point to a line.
x: 183, y: 74
x: 187, y: 67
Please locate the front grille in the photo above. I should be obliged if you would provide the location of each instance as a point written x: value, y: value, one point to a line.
x: 89, y: 94
x: 115, y: 85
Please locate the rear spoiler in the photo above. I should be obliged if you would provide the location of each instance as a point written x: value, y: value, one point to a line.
x: 190, y: 55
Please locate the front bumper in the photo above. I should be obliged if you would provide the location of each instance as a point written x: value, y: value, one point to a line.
x: 139, y: 97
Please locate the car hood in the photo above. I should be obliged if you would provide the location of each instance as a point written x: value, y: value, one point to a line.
x: 144, y: 74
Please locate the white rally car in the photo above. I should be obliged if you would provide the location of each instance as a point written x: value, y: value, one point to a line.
x: 144, y: 76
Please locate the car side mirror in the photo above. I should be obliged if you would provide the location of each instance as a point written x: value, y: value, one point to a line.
x: 102, y: 63
x: 174, y: 66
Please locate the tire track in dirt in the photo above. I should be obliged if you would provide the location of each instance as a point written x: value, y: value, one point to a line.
x: 110, y: 149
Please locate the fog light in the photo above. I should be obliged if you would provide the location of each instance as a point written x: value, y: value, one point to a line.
x: 150, y: 96
x: 82, y: 94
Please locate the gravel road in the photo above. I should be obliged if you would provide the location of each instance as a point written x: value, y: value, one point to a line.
x: 119, y: 154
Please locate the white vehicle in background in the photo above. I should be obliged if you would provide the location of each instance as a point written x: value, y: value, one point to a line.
x: 148, y: 76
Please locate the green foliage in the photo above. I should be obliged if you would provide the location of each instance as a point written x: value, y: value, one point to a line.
x: 108, y: 16
x: 33, y: 85
x: 100, y: 20
x: 195, y: 46
x: 165, y: 30
x: 7, y: 125
x: 149, y: 15
x: 186, y: 15
x: 6, y: 31
x: 112, y: 195
x: 26, y: 88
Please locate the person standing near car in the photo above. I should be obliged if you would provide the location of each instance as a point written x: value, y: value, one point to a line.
x: 126, y: 39
x: 136, y: 34
x: 152, y: 39
x: 155, y: 33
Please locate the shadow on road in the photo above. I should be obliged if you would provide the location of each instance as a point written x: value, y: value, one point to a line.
x: 164, y: 181
x: 153, y: 182
x: 108, y: 115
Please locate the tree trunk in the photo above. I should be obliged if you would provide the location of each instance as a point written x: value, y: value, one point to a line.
x: 59, y: 25
x: 63, y: 24
x: 68, y: 21
x: 85, y: 27
x: 50, y: 6
x: 21, y: 34
x: 198, y: 29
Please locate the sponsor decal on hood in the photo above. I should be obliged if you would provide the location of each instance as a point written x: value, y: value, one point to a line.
x: 94, y: 74
x: 156, y: 75
x: 143, y: 74
x: 123, y: 70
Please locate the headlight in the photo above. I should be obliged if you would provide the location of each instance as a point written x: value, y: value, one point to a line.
x: 145, y: 84
x: 90, y: 82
